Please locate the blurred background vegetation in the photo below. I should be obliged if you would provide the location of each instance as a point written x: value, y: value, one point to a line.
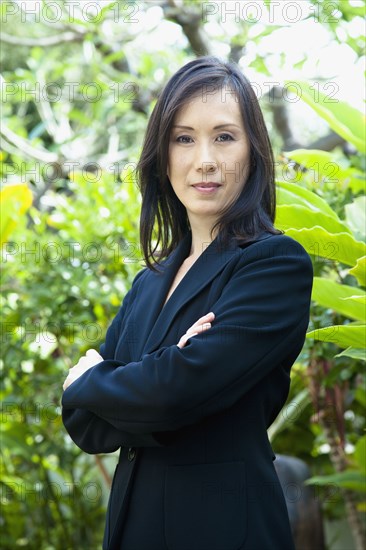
x: 78, y: 82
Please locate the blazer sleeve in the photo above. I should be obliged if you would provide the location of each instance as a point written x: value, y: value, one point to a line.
x: 260, y: 322
x: 89, y: 431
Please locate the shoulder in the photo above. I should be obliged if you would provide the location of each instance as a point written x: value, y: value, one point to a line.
x: 272, y: 249
x: 274, y: 245
x: 139, y: 277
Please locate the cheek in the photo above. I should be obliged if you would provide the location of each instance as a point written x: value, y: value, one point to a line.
x: 171, y: 166
x: 245, y: 167
x: 175, y: 168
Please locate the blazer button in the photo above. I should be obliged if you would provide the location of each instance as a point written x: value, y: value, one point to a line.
x: 131, y: 454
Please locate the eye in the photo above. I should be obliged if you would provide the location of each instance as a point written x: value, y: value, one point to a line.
x: 184, y: 139
x: 225, y: 137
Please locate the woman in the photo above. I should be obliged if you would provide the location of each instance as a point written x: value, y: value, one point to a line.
x: 196, y: 364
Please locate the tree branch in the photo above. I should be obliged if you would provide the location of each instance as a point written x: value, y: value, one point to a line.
x: 25, y: 146
x: 236, y: 52
x: 281, y: 119
x: 328, y: 142
x: 43, y: 42
x: 190, y: 21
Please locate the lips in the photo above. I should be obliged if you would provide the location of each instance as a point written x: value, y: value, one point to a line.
x: 205, y: 184
x: 207, y: 187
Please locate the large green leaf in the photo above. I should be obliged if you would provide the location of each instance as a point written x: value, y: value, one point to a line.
x: 323, y: 166
x: 341, y: 335
x: 354, y: 353
x: 319, y: 242
x: 344, y: 119
x: 338, y: 297
x: 356, y: 298
x: 291, y: 193
x: 349, y: 479
x: 359, y: 271
x: 298, y: 217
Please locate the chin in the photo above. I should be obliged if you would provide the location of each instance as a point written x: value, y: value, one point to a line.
x: 205, y: 211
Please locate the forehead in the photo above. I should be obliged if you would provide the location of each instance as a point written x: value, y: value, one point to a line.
x: 222, y: 103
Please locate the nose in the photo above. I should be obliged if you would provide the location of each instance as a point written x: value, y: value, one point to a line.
x: 205, y: 162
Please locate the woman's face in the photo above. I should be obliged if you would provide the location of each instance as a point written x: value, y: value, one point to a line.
x: 209, y: 152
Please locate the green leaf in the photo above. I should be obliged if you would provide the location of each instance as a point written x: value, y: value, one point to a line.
x: 341, y: 335
x: 319, y: 242
x: 360, y: 452
x: 356, y: 216
x: 290, y: 193
x: 325, y: 168
x: 354, y: 353
x: 359, y: 271
x: 14, y: 483
x: 344, y: 119
x: 289, y: 413
x: 348, y: 10
x: 107, y: 9
x: 14, y: 202
x: 333, y: 295
x: 298, y: 217
x: 349, y: 479
x: 360, y: 298
x: 259, y: 65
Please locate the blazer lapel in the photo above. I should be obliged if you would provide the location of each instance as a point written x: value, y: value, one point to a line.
x: 151, y: 318
x: 149, y: 301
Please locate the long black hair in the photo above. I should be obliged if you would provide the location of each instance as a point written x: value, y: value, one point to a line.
x: 163, y: 217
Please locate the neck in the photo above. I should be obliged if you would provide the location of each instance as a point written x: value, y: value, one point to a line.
x: 201, y: 239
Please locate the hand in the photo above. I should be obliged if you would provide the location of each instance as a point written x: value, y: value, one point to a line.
x: 85, y: 363
x: 204, y: 323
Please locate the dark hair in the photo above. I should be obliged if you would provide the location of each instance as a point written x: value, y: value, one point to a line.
x: 254, y: 209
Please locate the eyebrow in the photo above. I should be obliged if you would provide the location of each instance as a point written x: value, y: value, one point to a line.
x: 215, y: 127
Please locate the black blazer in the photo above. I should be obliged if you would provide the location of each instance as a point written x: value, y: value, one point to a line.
x: 195, y: 470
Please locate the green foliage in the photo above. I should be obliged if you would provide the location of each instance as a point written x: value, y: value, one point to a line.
x: 352, y: 478
x: 65, y: 275
x: 332, y: 231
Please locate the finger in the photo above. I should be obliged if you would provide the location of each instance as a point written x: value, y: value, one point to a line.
x: 204, y: 318
x: 182, y: 342
x: 207, y: 318
x: 199, y: 328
